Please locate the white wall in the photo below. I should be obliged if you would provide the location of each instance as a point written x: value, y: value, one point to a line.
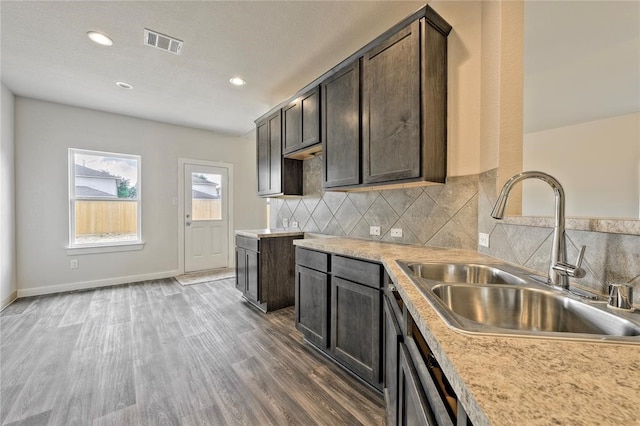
x: 596, y: 162
x: 484, y: 88
x: 7, y: 199
x: 44, y: 132
x: 464, y: 84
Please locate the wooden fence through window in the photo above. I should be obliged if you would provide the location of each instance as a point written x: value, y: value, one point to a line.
x: 106, y: 217
x: 206, y: 209
x: 120, y: 217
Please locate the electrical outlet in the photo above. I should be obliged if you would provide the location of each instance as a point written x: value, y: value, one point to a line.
x: 73, y: 263
x: 396, y: 232
x: 294, y: 224
x: 285, y: 222
x: 374, y: 230
x: 483, y: 239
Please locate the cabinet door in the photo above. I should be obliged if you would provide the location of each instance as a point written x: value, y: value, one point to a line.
x: 292, y: 127
x: 312, y: 305
x: 355, y: 328
x: 413, y: 407
x: 392, y: 340
x: 341, y: 127
x: 264, y: 157
x: 253, y: 276
x: 275, y: 159
x: 269, y: 153
x: 391, y: 104
x: 310, y: 117
x: 241, y: 269
x: 301, y: 122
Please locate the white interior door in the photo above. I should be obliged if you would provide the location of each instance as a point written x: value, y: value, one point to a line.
x: 206, y: 221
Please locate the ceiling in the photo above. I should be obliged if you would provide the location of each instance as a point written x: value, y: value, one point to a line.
x: 277, y: 46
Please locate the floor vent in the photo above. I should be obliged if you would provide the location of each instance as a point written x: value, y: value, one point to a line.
x: 163, y: 42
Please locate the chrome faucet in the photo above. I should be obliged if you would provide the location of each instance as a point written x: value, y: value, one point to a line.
x: 559, y: 269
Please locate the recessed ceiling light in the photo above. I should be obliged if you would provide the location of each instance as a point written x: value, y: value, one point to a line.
x: 124, y: 85
x: 99, y: 38
x: 237, y: 81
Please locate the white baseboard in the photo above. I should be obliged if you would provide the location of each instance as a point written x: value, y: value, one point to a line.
x: 8, y: 300
x: 59, y: 288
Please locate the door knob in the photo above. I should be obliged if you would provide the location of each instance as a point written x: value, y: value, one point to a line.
x: 188, y: 223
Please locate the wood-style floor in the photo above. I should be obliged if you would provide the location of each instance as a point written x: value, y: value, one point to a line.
x: 158, y: 353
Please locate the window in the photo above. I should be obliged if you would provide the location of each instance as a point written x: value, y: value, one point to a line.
x: 206, y: 197
x: 104, y: 199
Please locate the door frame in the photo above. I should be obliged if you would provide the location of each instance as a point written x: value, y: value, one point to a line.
x: 231, y: 244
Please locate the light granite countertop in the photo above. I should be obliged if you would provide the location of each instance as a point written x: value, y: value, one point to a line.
x: 511, y: 380
x: 268, y: 233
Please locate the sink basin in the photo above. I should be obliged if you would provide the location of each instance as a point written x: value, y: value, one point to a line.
x: 505, y: 300
x: 464, y: 273
x: 531, y: 310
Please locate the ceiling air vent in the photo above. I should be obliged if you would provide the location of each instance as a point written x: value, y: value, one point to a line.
x: 163, y: 42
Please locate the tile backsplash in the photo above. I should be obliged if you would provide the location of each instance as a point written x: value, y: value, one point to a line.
x: 451, y: 215
x: 438, y: 215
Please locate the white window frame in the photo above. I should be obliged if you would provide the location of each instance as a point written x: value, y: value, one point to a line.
x: 75, y: 249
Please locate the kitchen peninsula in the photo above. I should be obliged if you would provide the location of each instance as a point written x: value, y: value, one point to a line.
x: 509, y: 380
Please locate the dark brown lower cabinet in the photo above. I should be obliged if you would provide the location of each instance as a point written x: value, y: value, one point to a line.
x: 241, y: 269
x: 355, y: 328
x: 342, y: 317
x: 423, y: 393
x: 312, y: 305
x: 247, y: 272
x: 248, y: 269
x: 265, y: 271
x: 350, y: 310
x: 253, y: 280
x: 413, y: 406
x: 392, y: 340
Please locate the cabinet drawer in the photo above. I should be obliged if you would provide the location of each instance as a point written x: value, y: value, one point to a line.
x: 359, y: 271
x: 312, y: 259
x: 248, y: 243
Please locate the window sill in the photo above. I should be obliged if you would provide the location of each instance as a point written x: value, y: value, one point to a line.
x: 112, y: 248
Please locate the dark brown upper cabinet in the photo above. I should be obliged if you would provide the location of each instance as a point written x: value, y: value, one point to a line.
x: 391, y: 139
x: 381, y: 114
x: 265, y: 156
x: 341, y: 127
x: 301, y: 122
x: 384, y: 117
x: 276, y: 175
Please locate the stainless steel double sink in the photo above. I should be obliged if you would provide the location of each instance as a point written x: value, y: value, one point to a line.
x: 505, y: 300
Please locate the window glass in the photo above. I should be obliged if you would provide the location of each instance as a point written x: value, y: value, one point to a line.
x: 206, y: 196
x: 105, y: 198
